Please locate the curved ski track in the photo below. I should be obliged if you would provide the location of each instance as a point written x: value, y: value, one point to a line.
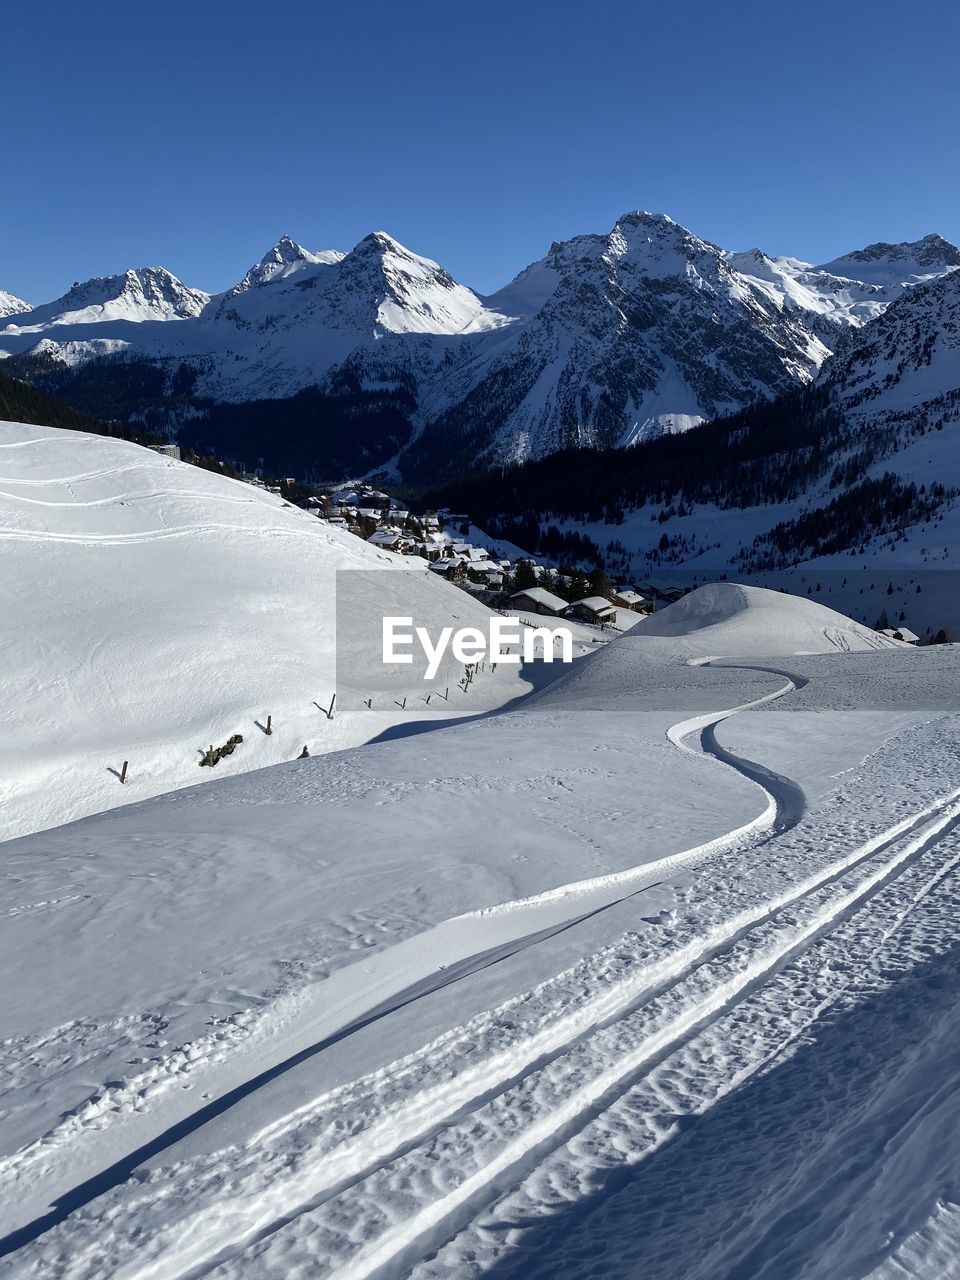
x: 693, y: 986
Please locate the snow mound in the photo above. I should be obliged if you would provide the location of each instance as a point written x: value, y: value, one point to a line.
x: 726, y: 619
x: 150, y: 609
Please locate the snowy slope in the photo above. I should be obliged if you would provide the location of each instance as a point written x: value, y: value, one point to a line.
x: 151, y: 609
x: 908, y: 360
x: 596, y: 979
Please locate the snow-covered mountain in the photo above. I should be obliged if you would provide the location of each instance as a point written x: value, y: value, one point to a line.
x: 618, y: 338
x: 908, y: 360
x: 11, y: 306
x: 609, y: 339
x: 850, y: 290
x: 283, y: 260
x: 136, y: 296
x: 894, y: 264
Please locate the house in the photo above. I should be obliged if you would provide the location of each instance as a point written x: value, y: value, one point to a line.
x: 168, y: 450
x: 391, y: 539
x: 539, y: 600
x: 628, y: 599
x: 901, y: 633
x: 594, y: 609
x: 428, y: 550
x: 485, y: 572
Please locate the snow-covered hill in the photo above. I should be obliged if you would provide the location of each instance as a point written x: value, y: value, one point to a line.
x: 725, y: 619
x: 152, y: 609
x: 608, y: 339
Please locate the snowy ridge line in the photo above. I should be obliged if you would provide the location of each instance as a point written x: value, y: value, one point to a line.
x: 420, y: 1233
x: 332, y: 1172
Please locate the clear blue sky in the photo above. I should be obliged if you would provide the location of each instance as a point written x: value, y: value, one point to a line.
x: 195, y: 134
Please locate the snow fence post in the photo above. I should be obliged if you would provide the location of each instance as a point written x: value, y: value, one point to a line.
x: 123, y: 771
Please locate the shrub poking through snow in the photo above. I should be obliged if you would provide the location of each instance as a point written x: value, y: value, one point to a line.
x: 215, y: 754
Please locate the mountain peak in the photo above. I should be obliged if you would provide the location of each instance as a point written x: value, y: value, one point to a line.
x: 285, y: 250
x: 12, y: 306
x: 140, y: 293
x: 285, y: 258
x: 643, y: 217
x: 381, y: 242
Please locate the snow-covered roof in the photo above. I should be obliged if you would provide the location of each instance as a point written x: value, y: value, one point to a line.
x: 540, y: 595
x: 599, y: 604
x: 630, y: 597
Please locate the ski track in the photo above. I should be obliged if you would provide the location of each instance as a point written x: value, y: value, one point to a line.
x: 445, y: 1150
x: 565, y: 905
x: 572, y: 1068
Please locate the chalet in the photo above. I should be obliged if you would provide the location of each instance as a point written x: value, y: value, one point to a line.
x: 485, y: 572
x: 628, y: 599
x: 429, y: 550
x: 391, y: 539
x: 539, y: 600
x: 901, y: 633
x: 594, y: 609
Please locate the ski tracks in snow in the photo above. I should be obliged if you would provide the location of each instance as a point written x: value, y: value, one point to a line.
x: 130, y: 1120
x: 368, y: 1180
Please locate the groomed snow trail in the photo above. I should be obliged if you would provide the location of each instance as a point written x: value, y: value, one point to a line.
x: 105, y: 1151
x: 479, y: 1135
x: 459, y: 1158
